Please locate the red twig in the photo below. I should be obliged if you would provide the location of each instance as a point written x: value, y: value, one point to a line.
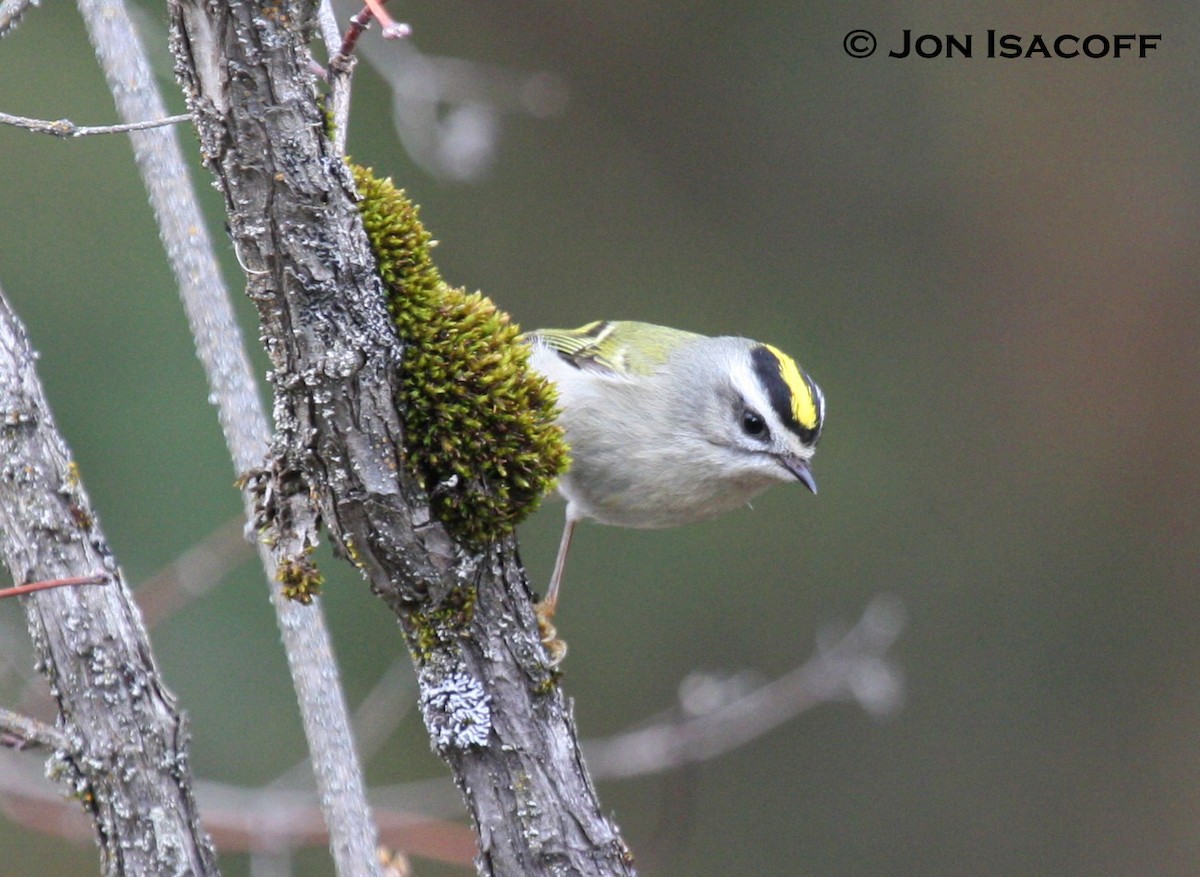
x: 392, y: 30
x: 18, y: 590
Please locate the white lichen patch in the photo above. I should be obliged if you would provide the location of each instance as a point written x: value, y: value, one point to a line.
x: 456, y: 709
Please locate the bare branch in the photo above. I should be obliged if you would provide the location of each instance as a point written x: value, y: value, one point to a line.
x: 724, y: 716
x: 67, y: 128
x: 375, y: 719
x: 127, y: 756
x: 22, y: 732
x: 218, y: 341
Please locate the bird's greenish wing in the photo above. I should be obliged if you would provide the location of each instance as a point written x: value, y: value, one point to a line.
x: 619, y: 347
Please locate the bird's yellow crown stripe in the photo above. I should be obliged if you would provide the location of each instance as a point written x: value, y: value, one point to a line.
x: 804, y: 406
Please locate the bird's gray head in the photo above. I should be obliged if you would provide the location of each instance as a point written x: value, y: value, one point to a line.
x: 765, y: 413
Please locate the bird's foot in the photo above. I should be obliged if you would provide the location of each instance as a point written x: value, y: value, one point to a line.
x: 556, y: 649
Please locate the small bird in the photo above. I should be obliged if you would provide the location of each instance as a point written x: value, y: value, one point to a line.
x: 666, y: 427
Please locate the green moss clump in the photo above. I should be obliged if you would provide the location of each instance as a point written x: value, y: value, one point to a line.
x: 478, y: 422
x: 300, y: 578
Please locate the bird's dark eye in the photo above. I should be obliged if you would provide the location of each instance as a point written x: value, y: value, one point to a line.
x: 753, y: 424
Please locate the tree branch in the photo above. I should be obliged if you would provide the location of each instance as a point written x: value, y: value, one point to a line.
x: 488, y: 697
x: 847, y: 665
x: 21, y: 732
x: 67, y: 128
x: 127, y: 761
x: 219, y: 345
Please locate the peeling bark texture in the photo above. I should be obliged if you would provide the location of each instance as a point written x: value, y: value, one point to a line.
x: 126, y: 758
x: 490, y: 701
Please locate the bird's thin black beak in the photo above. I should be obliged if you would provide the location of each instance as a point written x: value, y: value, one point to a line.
x: 801, y: 470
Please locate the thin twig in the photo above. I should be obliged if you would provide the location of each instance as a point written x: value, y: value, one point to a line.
x: 359, y: 22
x: 67, y: 128
x: 191, y: 575
x: 22, y: 732
x: 392, y: 30
x: 390, y: 699
x: 69, y: 581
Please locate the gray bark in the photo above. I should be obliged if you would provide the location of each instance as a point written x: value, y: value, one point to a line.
x: 126, y: 756
x: 490, y: 701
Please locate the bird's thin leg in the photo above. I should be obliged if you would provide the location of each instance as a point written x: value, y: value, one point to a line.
x: 556, y: 649
x: 548, y: 605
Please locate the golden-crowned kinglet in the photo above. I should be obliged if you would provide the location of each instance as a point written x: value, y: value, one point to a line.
x: 666, y: 427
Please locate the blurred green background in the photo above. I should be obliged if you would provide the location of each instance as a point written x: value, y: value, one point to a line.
x: 989, y: 266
